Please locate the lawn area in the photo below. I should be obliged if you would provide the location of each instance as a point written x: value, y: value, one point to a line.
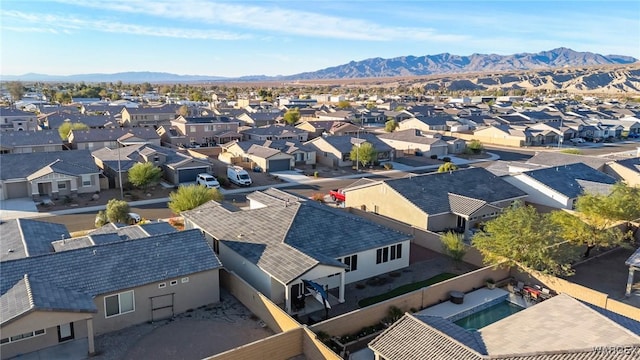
x: 401, y: 290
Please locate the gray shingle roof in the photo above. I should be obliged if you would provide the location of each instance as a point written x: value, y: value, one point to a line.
x: 571, y: 180
x: 35, y: 235
x: 275, y: 129
x: 130, y: 155
x: 431, y: 192
x: 13, y: 139
x: 112, y: 134
x: 289, y: 236
x: 19, y: 166
x: 631, y: 164
x: 412, y: 135
x: 116, y: 266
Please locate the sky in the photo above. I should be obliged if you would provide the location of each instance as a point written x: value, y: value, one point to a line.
x: 240, y: 38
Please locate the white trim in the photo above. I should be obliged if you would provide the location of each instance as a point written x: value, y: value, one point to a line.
x: 33, y: 334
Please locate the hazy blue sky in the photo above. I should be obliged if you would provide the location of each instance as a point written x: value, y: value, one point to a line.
x: 236, y: 38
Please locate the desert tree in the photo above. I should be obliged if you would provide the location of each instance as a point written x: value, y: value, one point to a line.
x: 191, y: 196
x: 144, y: 174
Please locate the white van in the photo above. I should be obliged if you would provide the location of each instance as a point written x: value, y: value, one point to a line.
x: 238, y: 176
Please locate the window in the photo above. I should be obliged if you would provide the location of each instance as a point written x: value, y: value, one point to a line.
x: 382, y: 255
x: 22, y: 336
x: 119, y: 304
x: 351, y: 262
x: 192, y: 129
x: 86, y: 180
x: 184, y: 280
x: 62, y: 185
x: 173, y: 282
x: 162, y: 285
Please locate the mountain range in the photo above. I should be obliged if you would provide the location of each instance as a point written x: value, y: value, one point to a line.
x: 376, y: 68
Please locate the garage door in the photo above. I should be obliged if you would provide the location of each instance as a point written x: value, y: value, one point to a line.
x: 189, y: 175
x: 279, y: 165
x: 17, y: 190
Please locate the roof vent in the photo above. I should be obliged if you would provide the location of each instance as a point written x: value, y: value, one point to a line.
x: 10, y: 251
x: 94, y: 252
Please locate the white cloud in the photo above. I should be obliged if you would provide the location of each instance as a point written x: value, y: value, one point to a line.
x: 69, y: 24
x: 272, y: 19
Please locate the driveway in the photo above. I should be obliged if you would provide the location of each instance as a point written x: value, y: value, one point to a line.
x: 17, y: 208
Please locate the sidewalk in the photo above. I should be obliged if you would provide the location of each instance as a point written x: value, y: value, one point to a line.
x: 291, y: 179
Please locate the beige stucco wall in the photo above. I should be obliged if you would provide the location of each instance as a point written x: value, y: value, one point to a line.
x: 630, y: 177
x: 202, y: 288
x: 383, y: 200
x: 280, y: 346
x: 41, y: 320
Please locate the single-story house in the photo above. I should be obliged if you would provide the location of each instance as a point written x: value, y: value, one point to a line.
x: 176, y: 167
x: 412, y: 141
x: 275, y: 132
x: 336, y: 150
x: 434, y: 122
x: 88, y: 291
x: 264, y: 157
x: 13, y: 142
x: 282, y: 240
x: 560, y: 186
x: 48, y: 174
x: 437, y: 202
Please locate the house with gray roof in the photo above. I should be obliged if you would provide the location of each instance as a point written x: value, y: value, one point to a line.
x: 93, y: 139
x: 149, y: 116
x: 335, y: 151
x: 48, y: 174
x: 627, y: 170
x: 27, y: 237
x: 275, y: 132
x: 412, y: 141
x: 437, y: 202
x: 176, y: 167
x: 560, y: 186
x: 54, y: 120
x: 560, y: 328
x: 206, y: 131
x: 12, y: 119
x: 260, y: 118
x: 270, y: 155
x: 47, y: 299
x: 433, y: 122
x: 13, y: 142
x: 282, y: 239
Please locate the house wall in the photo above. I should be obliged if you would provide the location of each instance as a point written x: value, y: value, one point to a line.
x: 245, y: 269
x: 441, y: 222
x: 281, y: 346
x: 383, y: 200
x: 539, y: 193
x: 327, y: 155
x: 202, y: 288
x: 426, y: 149
x: 41, y: 320
x: 492, y: 135
x: 630, y: 177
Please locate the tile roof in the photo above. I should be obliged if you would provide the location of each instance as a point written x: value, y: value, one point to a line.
x: 114, y: 266
x: 410, y: 339
x: 112, y: 134
x: 5, y: 111
x: 13, y: 139
x: 344, y: 143
x: 414, y: 136
x: 560, y: 328
x: 275, y: 129
x: 572, y: 180
x: 26, y: 237
x: 132, y: 154
x: 288, y: 235
x: 558, y: 159
x: 430, y: 192
x: 19, y: 166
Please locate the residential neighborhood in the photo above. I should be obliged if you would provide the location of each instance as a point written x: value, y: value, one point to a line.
x: 395, y: 268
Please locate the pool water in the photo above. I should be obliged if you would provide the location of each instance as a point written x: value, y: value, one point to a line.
x: 488, y: 316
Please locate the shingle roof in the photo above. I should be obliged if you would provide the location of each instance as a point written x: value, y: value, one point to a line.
x: 35, y: 235
x: 19, y: 166
x: 130, y: 155
x: 412, y: 135
x: 289, y: 236
x: 13, y: 139
x: 275, y: 129
x: 631, y: 164
x: 571, y: 180
x: 430, y: 192
x: 112, y: 134
x: 114, y: 266
x: 4, y: 111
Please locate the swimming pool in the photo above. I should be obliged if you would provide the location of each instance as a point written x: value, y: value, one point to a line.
x: 488, y: 316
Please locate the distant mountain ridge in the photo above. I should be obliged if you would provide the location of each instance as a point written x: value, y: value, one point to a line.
x: 375, y: 68
x: 454, y: 64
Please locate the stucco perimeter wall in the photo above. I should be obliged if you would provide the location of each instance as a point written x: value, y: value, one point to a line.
x: 280, y: 346
x: 314, y: 349
x: 426, y: 239
x: 275, y: 318
x: 354, y: 321
x: 579, y: 292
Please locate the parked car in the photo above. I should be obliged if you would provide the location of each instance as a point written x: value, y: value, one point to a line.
x: 238, y: 176
x: 337, y: 195
x: 207, y: 180
x: 577, y: 140
x: 133, y: 218
x: 633, y: 135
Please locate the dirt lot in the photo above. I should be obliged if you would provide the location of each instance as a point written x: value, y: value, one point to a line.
x: 84, y: 200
